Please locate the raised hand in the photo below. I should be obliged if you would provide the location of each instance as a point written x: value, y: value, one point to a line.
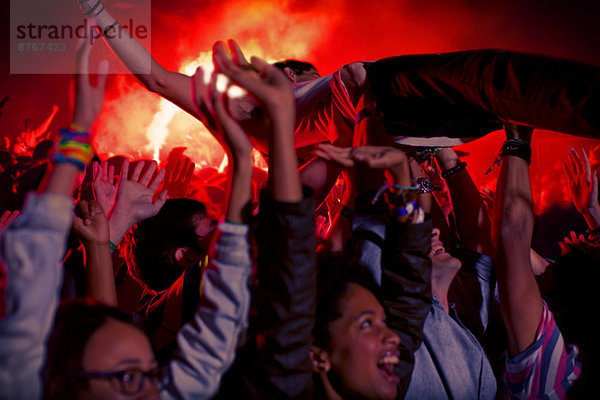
x: 178, y: 176
x: 135, y: 194
x: 105, y: 187
x: 265, y: 82
x: 583, y: 187
x: 89, y: 98
x: 90, y: 223
x: 271, y: 88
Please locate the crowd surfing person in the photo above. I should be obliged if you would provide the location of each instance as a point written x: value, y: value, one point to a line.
x: 443, y: 99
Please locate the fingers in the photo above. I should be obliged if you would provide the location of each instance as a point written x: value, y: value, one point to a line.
x: 197, y: 88
x: 586, y: 164
x: 148, y: 174
x: 225, y: 64
x: 576, y: 162
x: 96, y: 171
x: 221, y: 59
x: 219, y: 104
x: 82, y: 211
x: 160, y: 201
x: 238, y: 55
x: 84, y: 48
x: 103, y: 69
x: 125, y: 170
x: 340, y: 155
x: 104, y: 174
x: 111, y: 174
x: 190, y: 172
x: 157, y: 180
x: 4, y: 217
x: 135, y: 176
x: 568, y: 168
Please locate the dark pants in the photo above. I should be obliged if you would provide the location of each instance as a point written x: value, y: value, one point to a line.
x: 470, y: 93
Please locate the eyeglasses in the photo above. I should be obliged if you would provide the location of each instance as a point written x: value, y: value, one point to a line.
x: 130, y: 381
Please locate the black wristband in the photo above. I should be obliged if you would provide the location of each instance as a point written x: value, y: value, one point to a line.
x: 517, y: 148
x: 449, y: 172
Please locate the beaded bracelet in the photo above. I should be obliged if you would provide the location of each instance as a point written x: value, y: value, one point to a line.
x: 449, y: 172
x: 74, y: 147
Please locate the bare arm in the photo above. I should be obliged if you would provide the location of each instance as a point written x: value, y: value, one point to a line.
x: 520, y: 299
x: 173, y: 86
x: 91, y: 227
x: 472, y: 220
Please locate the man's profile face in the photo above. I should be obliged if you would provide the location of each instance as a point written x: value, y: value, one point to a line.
x: 307, y: 75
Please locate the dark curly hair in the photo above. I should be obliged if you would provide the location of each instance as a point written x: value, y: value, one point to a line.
x: 149, y: 247
x: 296, y: 65
x: 336, y: 273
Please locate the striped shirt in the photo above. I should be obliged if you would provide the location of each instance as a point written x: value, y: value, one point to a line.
x: 547, y: 369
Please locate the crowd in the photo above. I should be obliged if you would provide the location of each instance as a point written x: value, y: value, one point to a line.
x: 365, y: 264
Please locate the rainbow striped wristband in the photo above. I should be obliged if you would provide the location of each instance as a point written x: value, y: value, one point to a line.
x: 75, y: 148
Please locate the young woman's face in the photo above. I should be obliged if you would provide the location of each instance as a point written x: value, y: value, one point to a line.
x: 362, y: 351
x: 118, y: 346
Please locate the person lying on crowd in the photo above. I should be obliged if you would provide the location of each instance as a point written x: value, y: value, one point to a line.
x: 424, y: 100
x: 95, y: 350
x: 539, y: 362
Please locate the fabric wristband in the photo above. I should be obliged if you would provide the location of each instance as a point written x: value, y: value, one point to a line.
x: 74, y: 148
x: 408, y: 208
